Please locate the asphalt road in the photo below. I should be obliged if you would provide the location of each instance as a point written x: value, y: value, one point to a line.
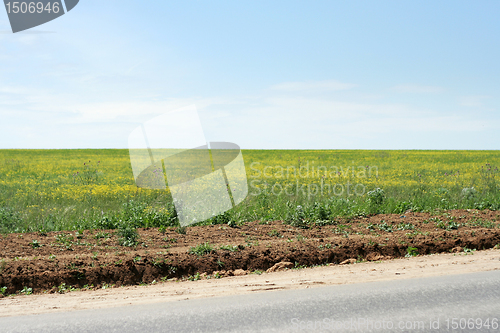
x: 456, y: 303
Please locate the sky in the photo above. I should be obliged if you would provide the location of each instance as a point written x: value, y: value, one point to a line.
x: 262, y: 74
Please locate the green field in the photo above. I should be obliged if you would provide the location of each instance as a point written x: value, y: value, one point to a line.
x: 45, y: 190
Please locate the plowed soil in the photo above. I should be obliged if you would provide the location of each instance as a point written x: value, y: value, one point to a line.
x: 44, y: 262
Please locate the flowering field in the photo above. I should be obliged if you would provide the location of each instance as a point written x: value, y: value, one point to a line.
x: 74, y: 219
x: 84, y: 189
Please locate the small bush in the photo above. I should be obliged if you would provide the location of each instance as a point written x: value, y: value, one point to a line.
x: 128, y: 236
x: 297, y: 218
x: 376, y: 197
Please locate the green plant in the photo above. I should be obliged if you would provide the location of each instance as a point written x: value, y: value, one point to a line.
x: 79, y: 234
x: 411, y: 252
x: 483, y: 223
x: 375, y: 199
x: 468, y: 193
x: 35, y: 244
x: 298, y: 266
x: 158, y: 262
x: 469, y: 251
x: 3, y: 291
x: 201, y: 249
x: 405, y: 226
x: 342, y: 229
x: 252, y: 241
x: 232, y: 248
x: 451, y: 225
x: 10, y: 220
x: 3, y: 264
x: 62, y: 288
x: 170, y: 240
x: 89, y: 174
x: 52, y: 257
x: 65, y: 240
x: 137, y: 259
x: 370, y: 227
x: 385, y: 227
x: 220, y: 263
x: 181, y: 230
x: 128, y: 236
x: 102, y: 234
x: 26, y: 291
x: 162, y: 229
x: 195, y: 277
x: 274, y: 233
x: 297, y: 218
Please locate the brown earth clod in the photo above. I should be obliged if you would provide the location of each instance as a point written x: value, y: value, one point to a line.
x: 280, y: 266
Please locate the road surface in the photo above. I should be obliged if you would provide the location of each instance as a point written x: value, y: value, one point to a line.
x: 468, y: 302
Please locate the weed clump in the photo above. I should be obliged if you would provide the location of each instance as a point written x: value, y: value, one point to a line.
x: 201, y: 249
x: 128, y: 236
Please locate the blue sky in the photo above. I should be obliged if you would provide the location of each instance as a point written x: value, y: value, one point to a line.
x: 263, y: 74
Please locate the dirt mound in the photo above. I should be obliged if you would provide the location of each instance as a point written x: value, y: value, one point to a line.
x: 56, y: 261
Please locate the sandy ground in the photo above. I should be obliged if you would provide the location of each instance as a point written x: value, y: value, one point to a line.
x: 170, y: 291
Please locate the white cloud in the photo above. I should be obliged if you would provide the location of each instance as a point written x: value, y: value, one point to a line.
x: 473, y: 101
x: 13, y: 90
x: 275, y: 119
x: 327, y: 85
x: 417, y: 89
x: 292, y: 122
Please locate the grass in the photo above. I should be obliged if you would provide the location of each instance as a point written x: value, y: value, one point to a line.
x: 53, y: 190
x: 201, y: 249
